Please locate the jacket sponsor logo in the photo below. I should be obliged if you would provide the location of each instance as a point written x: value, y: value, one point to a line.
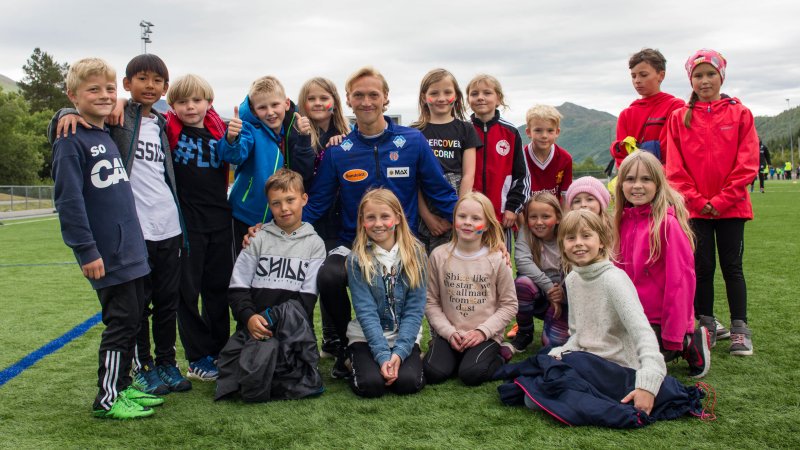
x: 355, y: 175
x: 286, y: 268
x: 397, y: 172
x: 503, y: 147
x: 394, y: 156
x: 104, y: 174
x: 399, y: 141
x: 559, y: 176
x: 347, y: 145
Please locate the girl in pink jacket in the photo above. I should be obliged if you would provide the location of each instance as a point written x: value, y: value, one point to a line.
x: 654, y: 247
x: 712, y: 157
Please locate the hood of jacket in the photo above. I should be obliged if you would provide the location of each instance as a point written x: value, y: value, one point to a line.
x: 302, y: 232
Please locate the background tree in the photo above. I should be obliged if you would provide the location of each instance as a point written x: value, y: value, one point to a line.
x: 21, y: 155
x: 43, y: 85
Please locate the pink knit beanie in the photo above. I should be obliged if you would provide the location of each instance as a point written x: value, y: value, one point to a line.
x: 591, y: 186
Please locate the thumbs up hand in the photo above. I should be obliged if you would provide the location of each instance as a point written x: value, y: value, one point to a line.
x: 302, y: 124
x: 234, y: 126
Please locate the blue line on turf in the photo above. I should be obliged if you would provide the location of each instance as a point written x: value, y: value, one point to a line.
x: 32, y: 358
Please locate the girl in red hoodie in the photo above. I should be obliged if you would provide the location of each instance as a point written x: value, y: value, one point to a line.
x: 643, y: 123
x: 713, y: 156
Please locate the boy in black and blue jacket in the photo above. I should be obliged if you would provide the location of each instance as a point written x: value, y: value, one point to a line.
x: 98, y: 221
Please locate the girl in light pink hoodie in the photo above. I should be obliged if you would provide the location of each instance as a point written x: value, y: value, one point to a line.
x: 655, y: 248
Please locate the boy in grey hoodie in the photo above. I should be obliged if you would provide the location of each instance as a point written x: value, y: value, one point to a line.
x: 282, y: 260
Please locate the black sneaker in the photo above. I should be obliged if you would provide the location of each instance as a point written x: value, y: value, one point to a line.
x: 698, y: 353
x: 522, y: 340
x: 341, y: 370
x: 711, y: 324
x: 330, y: 346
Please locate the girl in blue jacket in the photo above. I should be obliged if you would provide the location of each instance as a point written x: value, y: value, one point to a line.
x: 386, y: 271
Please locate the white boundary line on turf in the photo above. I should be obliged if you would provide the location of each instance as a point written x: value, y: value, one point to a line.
x: 29, y: 221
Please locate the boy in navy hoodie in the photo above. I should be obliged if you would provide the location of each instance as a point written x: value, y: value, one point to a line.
x: 98, y: 221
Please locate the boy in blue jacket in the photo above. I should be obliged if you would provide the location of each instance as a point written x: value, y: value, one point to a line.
x: 98, y: 221
x: 261, y: 138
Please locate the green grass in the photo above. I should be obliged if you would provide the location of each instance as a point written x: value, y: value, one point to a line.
x: 48, y: 404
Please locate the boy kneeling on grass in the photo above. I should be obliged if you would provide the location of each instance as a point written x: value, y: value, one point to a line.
x: 98, y: 221
x: 273, y: 354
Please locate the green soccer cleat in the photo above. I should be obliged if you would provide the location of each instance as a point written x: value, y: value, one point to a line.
x: 142, y: 398
x: 124, y: 409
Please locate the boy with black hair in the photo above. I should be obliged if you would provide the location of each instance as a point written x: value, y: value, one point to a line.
x: 98, y: 221
x: 141, y: 138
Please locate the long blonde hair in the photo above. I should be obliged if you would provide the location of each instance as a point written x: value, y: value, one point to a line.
x: 435, y: 76
x: 576, y: 220
x: 411, y: 252
x: 339, y: 121
x: 664, y: 197
x: 493, y: 235
x: 536, y: 243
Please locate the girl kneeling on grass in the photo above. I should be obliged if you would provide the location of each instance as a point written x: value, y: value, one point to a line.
x: 654, y: 247
x: 386, y: 272
x: 471, y: 297
x: 606, y: 317
x: 540, y: 273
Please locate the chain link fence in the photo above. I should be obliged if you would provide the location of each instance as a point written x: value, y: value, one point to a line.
x: 25, y: 198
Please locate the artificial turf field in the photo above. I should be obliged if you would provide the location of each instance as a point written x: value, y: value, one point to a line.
x: 43, y: 295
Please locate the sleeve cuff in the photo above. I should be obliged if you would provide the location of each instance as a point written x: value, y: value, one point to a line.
x: 649, y: 381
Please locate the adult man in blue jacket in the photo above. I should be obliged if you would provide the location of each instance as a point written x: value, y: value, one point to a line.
x: 377, y: 153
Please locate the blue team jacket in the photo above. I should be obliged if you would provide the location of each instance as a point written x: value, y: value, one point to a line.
x: 400, y: 160
x: 256, y: 152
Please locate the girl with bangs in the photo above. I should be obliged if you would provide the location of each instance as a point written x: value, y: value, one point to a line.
x: 606, y: 317
x: 442, y: 119
x: 655, y: 248
x: 386, y: 272
x: 319, y: 101
x: 471, y: 297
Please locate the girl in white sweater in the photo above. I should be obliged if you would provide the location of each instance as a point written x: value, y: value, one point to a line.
x: 606, y: 317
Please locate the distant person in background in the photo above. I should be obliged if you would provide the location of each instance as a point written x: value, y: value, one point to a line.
x: 711, y: 167
x: 763, y: 165
x: 643, y: 123
x: 787, y: 170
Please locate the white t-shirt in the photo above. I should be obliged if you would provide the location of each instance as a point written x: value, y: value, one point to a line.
x: 155, y: 205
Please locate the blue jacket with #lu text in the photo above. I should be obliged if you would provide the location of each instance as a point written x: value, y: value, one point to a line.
x: 400, y: 160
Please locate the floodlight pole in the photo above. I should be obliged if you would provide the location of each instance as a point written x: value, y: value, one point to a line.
x: 791, y: 139
x: 145, y: 37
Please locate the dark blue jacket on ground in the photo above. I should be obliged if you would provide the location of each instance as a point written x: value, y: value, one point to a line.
x: 399, y: 160
x: 585, y: 389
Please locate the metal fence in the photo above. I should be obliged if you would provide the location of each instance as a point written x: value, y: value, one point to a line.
x: 23, y: 198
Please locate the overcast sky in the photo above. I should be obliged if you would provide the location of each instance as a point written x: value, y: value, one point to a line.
x: 542, y: 52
